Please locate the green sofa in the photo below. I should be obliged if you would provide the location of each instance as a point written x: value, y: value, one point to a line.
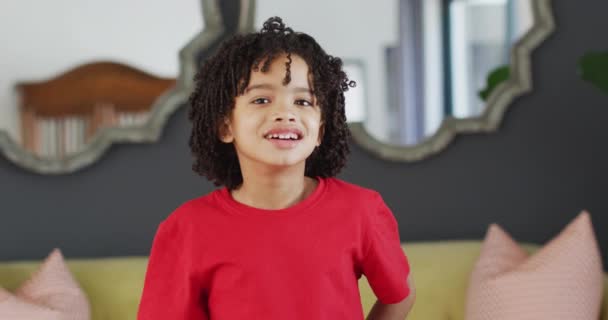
x: 440, y: 270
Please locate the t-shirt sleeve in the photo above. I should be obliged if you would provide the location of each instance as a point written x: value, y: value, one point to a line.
x: 170, y: 291
x: 384, y: 263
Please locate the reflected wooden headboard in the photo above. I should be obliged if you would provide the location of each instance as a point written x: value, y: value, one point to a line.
x: 87, y: 98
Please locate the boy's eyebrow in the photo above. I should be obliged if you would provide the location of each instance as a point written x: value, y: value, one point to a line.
x: 272, y: 87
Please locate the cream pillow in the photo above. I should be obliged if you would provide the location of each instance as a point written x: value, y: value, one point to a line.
x: 563, y: 280
x: 51, y: 293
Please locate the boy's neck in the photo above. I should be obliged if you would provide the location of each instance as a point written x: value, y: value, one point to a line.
x: 274, y: 189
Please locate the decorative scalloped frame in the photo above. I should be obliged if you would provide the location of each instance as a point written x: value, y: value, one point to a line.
x: 160, y: 112
x: 519, y: 83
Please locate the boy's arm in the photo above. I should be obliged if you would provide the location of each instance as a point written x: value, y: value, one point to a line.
x: 169, y: 289
x: 386, y: 266
x: 395, y: 311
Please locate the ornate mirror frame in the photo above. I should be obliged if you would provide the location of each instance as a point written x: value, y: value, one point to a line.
x: 519, y: 83
x: 162, y: 109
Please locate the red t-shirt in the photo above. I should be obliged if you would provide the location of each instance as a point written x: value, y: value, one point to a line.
x: 216, y: 258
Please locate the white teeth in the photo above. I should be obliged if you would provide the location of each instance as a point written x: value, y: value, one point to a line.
x: 287, y: 136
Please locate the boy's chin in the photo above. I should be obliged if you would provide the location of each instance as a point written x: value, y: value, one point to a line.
x: 285, y: 162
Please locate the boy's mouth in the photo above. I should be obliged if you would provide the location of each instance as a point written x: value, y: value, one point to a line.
x: 284, y: 134
x: 284, y: 138
x: 288, y: 136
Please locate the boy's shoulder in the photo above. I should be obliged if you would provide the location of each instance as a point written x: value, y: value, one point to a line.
x: 336, y: 185
x: 193, y: 208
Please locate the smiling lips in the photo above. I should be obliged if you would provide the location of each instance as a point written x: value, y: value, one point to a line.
x: 284, y: 138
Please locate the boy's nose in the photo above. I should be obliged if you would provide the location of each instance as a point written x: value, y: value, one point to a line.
x: 284, y: 118
x: 284, y: 114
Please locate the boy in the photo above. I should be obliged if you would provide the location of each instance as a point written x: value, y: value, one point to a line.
x: 283, y: 239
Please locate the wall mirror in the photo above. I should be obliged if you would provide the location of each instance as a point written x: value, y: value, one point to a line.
x: 79, y: 76
x: 422, y: 65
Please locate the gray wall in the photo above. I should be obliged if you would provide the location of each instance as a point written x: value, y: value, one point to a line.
x: 547, y: 162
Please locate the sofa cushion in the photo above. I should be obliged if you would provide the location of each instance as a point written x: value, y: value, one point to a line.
x: 563, y: 280
x: 51, y: 293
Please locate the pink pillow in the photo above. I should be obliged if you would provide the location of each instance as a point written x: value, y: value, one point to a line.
x: 51, y: 293
x: 563, y: 280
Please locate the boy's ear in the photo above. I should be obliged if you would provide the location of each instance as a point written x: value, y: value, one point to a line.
x: 225, y: 132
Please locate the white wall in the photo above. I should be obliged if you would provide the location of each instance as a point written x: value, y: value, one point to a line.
x: 349, y: 29
x: 41, y: 39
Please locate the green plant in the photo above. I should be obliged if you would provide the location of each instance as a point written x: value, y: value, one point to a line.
x: 593, y: 68
x: 496, y: 77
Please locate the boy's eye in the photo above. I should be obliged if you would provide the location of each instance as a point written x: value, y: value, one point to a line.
x: 303, y: 102
x: 260, y: 101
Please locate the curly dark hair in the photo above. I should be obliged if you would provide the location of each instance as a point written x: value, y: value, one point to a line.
x: 226, y: 74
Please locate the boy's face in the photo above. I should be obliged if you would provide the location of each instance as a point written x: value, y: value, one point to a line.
x: 272, y: 123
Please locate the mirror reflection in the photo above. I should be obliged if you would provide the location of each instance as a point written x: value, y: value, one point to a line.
x: 416, y: 62
x: 61, y: 115
x: 71, y: 69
